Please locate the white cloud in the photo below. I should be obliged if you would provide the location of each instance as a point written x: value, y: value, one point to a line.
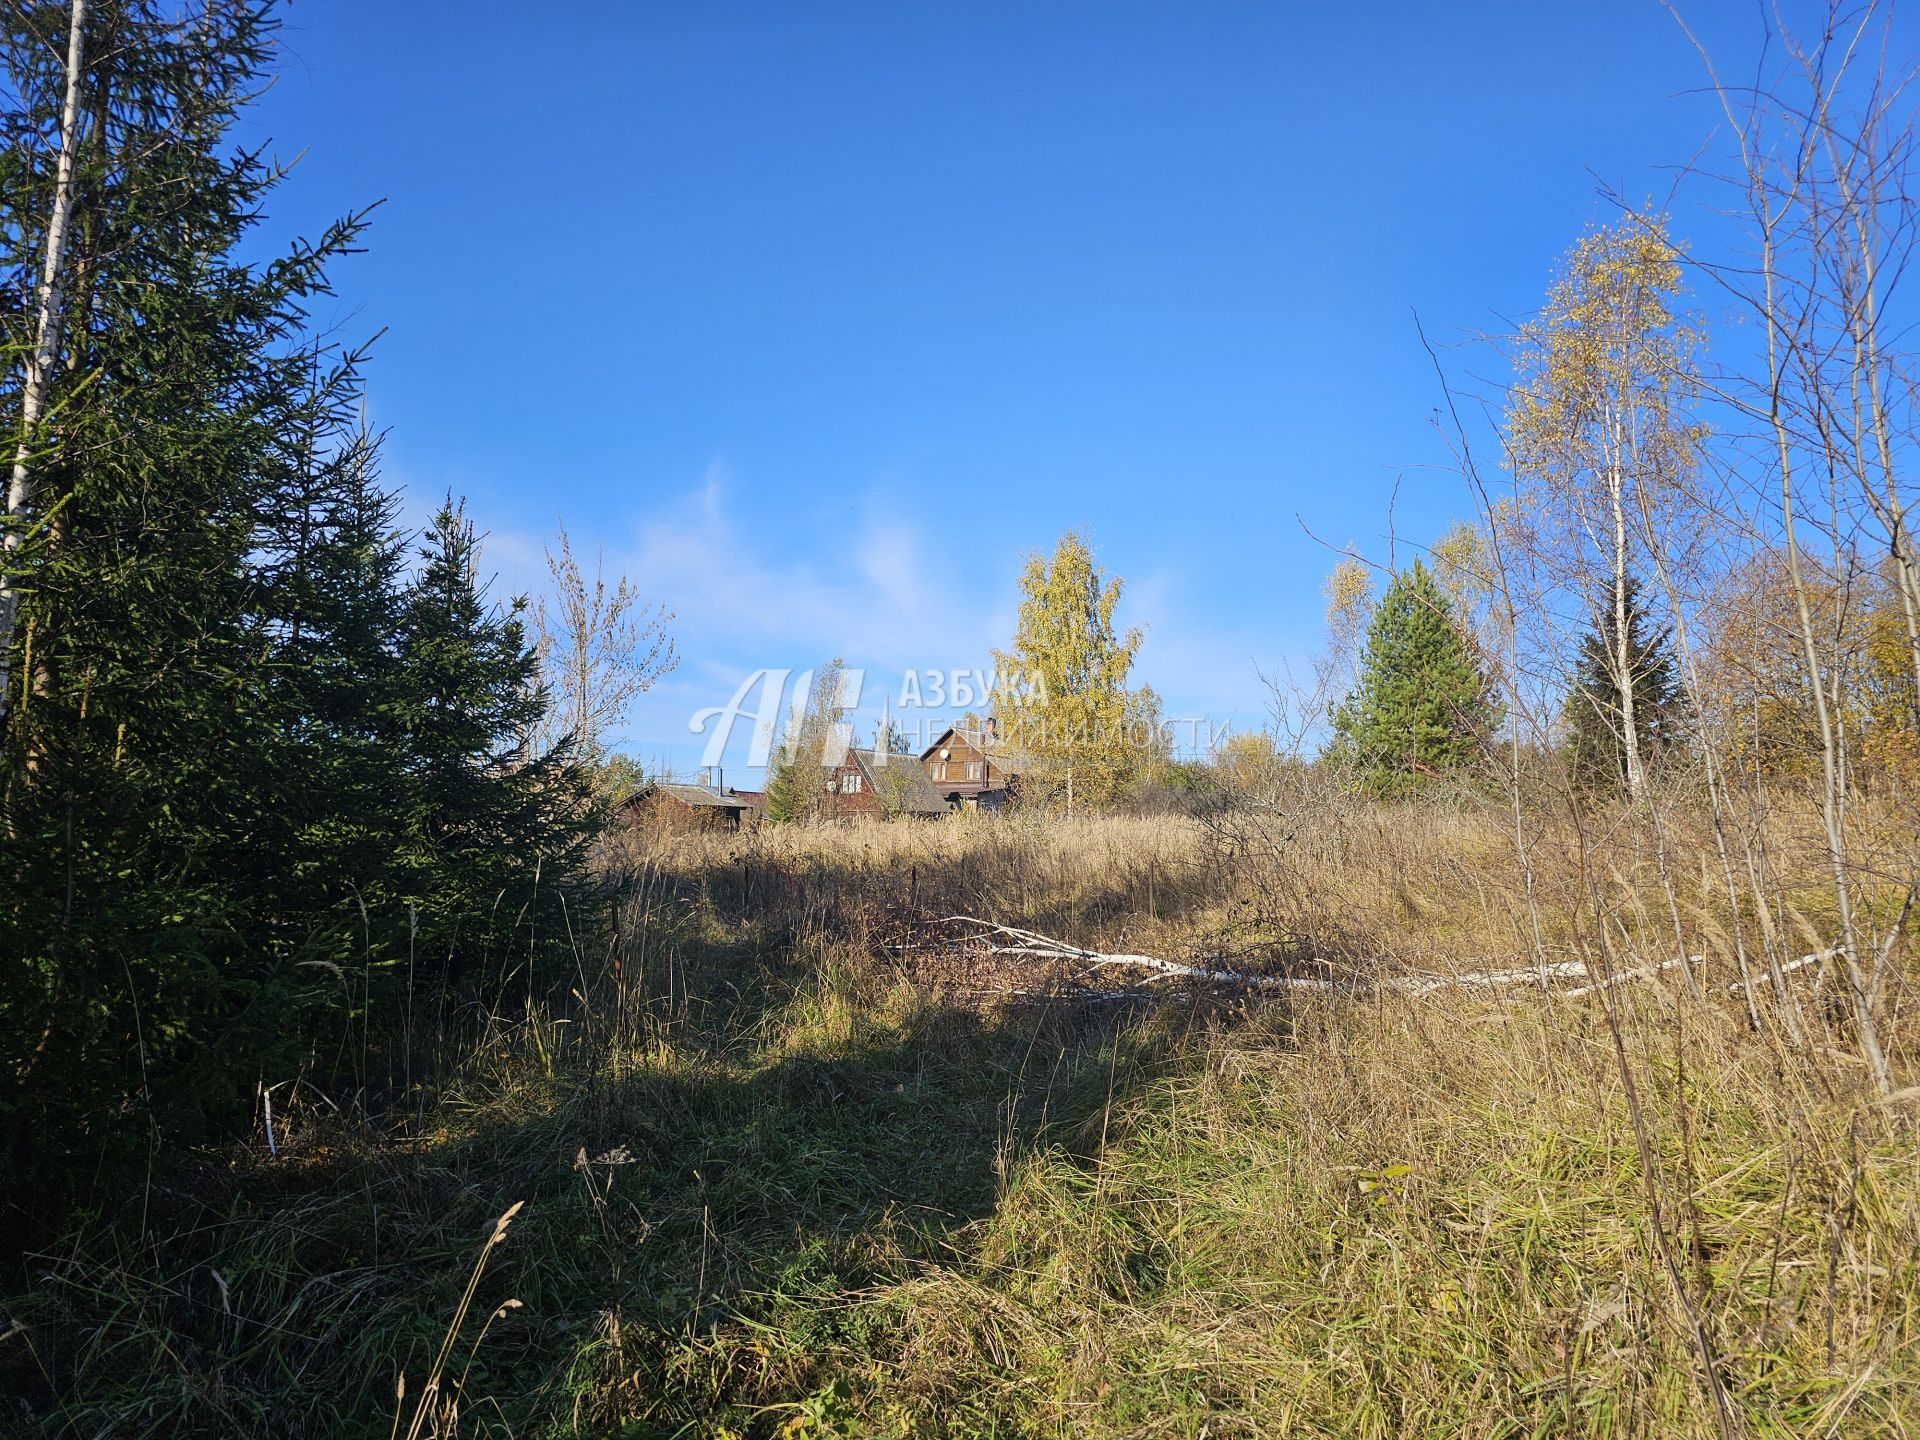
x: 875, y: 592
x: 756, y: 590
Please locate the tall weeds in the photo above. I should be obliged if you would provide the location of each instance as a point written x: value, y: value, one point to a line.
x: 774, y: 1176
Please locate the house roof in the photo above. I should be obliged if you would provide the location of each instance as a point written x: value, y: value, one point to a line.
x: 901, y: 781
x: 1004, y: 757
x: 696, y: 795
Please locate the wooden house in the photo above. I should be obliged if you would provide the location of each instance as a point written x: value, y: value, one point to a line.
x: 972, y: 768
x: 872, y: 782
x: 668, y: 806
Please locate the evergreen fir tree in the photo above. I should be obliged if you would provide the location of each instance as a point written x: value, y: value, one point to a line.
x: 331, y: 613
x: 1595, y: 736
x: 479, y: 812
x: 140, y: 803
x: 234, y: 737
x: 784, y: 799
x: 1421, y: 708
x: 814, y: 738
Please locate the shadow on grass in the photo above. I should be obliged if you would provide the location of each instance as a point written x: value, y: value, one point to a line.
x: 794, y: 1136
x: 1025, y: 884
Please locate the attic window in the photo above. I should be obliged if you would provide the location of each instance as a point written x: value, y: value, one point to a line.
x: 850, y: 784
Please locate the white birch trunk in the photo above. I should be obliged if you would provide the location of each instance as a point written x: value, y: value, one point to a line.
x: 46, y: 343
x: 1622, y: 651
x: 1016, y: 943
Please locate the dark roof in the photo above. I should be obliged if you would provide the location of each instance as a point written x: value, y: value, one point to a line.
x: 697, y: 795
x: 901, y: 782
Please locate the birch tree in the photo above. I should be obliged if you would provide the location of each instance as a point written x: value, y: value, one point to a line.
x: 1068, y: 706
x: 1596, y: 423
x: 43, y: 346
x: 1823, y: 141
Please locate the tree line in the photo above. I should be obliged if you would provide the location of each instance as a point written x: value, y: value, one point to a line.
x: 282, y: 785
x: 1625, y: 610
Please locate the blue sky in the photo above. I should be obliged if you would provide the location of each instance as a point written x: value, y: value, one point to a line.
x: 814, y: 319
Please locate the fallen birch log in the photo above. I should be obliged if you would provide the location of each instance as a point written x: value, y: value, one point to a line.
x: 1031, y: 945
x: 1012, y: 941
x: 1644, y: 973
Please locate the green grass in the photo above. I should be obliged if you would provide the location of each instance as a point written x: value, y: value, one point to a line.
x: 803, y: 1145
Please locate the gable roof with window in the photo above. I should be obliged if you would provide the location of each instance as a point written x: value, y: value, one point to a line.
x: 968, y: 760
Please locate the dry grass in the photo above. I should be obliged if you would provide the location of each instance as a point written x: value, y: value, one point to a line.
x: 775, y: 1183
x: 1430, y: 1218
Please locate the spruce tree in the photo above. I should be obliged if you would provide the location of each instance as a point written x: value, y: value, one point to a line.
x: 482, y: 816
x: 235, y: 736
x: 784, y: 799
x: 1421, y: 707
x: 1595, y: 744
x: 330, y: 613
x: 139, y: 801
x: 814, y: 741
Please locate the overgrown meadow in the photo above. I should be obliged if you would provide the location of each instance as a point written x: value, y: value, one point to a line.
x: 787, y: 1164
x: 1513, y: 1037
